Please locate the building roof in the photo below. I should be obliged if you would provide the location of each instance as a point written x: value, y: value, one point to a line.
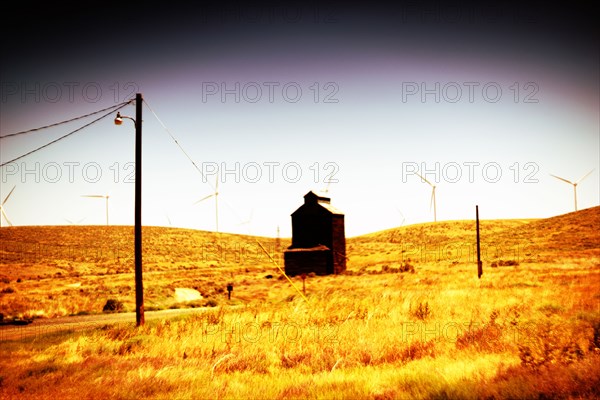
x: 313, y: 198
x: 317, y: 196
x: 331, y: 208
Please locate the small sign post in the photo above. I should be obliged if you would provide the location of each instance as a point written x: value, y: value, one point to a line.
x: 479, y: 264
x: 229, y: 290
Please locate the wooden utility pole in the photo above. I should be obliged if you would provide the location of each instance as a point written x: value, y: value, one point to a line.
x: 137, y: 229
x: 479, y: 265
x: 139, y: 287
x: 303, y: 276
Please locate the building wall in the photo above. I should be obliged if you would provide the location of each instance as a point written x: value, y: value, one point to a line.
x: 338, y: 246
x: 311, y: 226
x: 298, y: 262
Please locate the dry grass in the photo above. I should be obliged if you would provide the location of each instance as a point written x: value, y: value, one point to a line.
x: 529, y: 330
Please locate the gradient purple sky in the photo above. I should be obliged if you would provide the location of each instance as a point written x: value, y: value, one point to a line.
x: 362, y: 56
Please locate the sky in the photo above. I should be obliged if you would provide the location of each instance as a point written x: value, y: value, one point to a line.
x: 483, y: 101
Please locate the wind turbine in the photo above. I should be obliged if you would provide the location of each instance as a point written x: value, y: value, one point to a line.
x: 2, y: 209
x: 248, y: 221
x: 100, y: 196
x: 401, y: 214
x: 432, y: 197
x: 574, y: 185
x: 216, y: 196
x: 76, y: 222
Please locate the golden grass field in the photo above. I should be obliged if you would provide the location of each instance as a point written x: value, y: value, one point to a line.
x: 529, y: 328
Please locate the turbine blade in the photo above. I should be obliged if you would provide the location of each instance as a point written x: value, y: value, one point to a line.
x: 585, y: 176
x: 97, y: 196
x: 430, y: 184
x: 5, y: 217
x: 9, y: 195
x: 205, y: 198
x: 432, y: 198
x: 562, y: 179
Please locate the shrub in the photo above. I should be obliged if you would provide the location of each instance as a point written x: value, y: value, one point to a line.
x: 507, y: 263
x: 112, y: 305
x: 422, y: 311
x: 487, y: 337
x: 549, y: 343
x: 211, y: 303
x: 407, y: 267
x: 8, y: 290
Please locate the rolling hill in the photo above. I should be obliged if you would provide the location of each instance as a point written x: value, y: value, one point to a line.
x: 528, y: 328
x: 61, y: 270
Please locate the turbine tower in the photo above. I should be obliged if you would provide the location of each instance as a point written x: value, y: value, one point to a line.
x: 216, y: 196
x: 574, y: 185
x: 3, y: 210
x: 432, y: 201
x: 100, y: 196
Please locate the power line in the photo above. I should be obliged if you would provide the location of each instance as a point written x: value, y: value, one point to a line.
x: 190, y: 158
x: 66, y: 121
x: 178, y: 145
x: 68, y: 134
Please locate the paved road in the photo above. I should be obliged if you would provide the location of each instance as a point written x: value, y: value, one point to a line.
x: 41, y: 327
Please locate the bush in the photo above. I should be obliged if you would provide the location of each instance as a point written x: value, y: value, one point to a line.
x: 8, y: 290
x: 407, y: 267
x: 507, y: 263
x: 485, y: 338
x: 211, y: 303
x: 422, y: 311
x: 550, y: 342
x: 112, y: 305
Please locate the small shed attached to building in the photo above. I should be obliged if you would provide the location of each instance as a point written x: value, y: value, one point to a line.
x: 318, y: 238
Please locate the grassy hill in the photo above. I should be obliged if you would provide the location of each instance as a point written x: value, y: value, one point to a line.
x: 529, y: 328
x: 59, y: 261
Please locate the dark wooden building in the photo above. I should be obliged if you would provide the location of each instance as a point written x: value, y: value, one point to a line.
x: 318, y: 238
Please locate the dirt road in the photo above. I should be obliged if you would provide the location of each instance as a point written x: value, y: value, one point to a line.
x: 39, y: 328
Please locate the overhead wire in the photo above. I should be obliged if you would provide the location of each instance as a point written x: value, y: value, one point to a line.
x: 113, y: 109
x: 191, y: 160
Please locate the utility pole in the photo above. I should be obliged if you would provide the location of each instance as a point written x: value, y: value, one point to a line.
x: 479, y: 265
x: 139, y: 286
x: 137, y: 229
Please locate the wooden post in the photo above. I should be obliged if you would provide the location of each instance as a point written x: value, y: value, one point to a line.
x: 139, y: 286
x: 304, y: 283
x: 479, y: 264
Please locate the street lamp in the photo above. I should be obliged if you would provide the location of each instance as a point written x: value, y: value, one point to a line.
x: 139, y: 287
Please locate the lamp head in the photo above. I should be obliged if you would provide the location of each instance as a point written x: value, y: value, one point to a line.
x: 118, y: 119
